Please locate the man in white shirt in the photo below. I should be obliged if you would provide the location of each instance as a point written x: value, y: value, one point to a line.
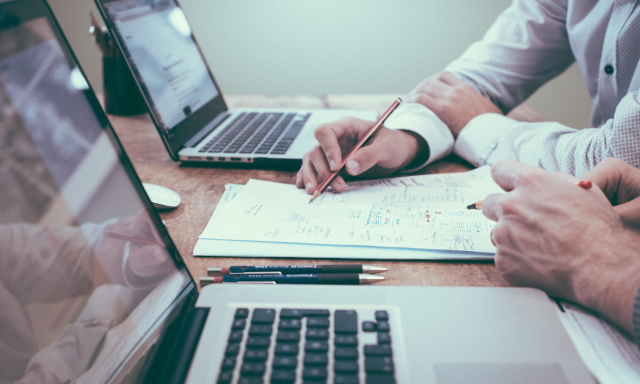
x: 461, y: 109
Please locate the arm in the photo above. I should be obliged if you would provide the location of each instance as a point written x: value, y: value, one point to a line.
x: 552, y: 146
x: 565, y: 240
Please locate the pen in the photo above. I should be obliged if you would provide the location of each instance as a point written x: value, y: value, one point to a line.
x: 372, y: 131
x: 135, y: 239
x: 293, y: 269
x: 582, y: 184
x: 329, y: 278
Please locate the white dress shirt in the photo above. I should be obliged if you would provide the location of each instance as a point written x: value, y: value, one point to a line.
x: 530, y: 43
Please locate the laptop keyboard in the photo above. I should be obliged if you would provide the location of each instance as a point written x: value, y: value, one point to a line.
x: 311, y: 346
x: 259, y: 133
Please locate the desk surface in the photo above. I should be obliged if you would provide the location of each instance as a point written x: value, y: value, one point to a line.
x: 202, y: 187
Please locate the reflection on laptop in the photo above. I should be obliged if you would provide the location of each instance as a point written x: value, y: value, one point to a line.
x: 80, y: 305
x: 185, y: 102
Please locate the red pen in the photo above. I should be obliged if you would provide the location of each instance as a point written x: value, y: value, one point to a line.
x: 372, y: 131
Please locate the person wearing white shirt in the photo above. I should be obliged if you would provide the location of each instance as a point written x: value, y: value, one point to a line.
x: 461, y: 109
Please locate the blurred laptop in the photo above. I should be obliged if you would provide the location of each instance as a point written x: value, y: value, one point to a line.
x: 186, y: 104
x: 93, y: 290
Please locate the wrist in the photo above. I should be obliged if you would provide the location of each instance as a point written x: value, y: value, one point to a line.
x: 610, y: 283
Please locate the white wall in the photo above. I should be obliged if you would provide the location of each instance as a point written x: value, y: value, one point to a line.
x: 278, y: 47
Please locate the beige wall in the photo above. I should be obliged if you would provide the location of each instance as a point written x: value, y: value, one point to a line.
x: 280, y: 47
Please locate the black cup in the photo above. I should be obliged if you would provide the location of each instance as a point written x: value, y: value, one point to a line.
x: 121, y: 94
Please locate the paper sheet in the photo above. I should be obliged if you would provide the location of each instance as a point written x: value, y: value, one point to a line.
x: 416, y: 217
x: 610, y: 356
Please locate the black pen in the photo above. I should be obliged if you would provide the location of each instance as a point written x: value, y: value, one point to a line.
x: 293, y: 269
x: 326, y: 278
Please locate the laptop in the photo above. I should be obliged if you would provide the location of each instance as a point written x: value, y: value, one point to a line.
x: 93, y: 290
x: 186, y: 104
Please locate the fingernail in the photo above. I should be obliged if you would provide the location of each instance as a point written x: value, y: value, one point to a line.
x: 297, y: 179
x: 309, y: 186
x: 339, y: 188
x: 354, y: 167
x: 332, y: 165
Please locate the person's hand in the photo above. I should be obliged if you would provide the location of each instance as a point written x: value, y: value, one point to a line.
x: 620, y: 182
x: 452, y: 100
x: 568, y: 241
x: 144, y: 260
x: 386, y: 152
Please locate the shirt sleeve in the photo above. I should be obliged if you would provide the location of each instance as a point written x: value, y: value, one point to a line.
x: 526, y: 46
x: 422, y: 121
x: 490, y: 137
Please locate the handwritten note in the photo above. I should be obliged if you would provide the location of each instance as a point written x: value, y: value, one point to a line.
x: 418, y: 212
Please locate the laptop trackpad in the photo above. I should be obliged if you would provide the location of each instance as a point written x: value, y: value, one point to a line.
x: 500, y: 374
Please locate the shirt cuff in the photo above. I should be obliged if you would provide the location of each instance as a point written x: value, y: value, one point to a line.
x: 479, y: 138
x: 421, y: 120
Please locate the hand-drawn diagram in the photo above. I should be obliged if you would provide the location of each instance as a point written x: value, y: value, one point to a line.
x: 388, y: 213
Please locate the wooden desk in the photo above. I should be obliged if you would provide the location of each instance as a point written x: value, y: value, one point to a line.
x: 202, y: 187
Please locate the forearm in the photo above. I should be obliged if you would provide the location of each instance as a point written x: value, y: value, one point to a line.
x: 552, y: 146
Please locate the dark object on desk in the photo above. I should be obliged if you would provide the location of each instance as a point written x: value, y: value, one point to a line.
x: 329, y: 278
x: 121, y: 94
x: 294, y: 269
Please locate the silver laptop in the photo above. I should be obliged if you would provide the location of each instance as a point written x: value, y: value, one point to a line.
x: 93, y: 290
x: 187, y: 105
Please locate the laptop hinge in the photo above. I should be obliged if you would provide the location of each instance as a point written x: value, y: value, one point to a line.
x: 173, y: 355
x: 195, y: 139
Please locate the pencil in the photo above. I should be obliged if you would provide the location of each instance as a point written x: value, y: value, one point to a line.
x: 582, y: 184
x: 372, y: 131
x: 135, y: 239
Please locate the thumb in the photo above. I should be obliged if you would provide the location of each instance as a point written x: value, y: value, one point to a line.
x: 629, y: 213
x: 363, y: 159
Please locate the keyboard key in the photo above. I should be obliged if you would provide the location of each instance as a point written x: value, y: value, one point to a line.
x: 285, y: 362
x: 368, y: 326
x: 281, y: 376
x: 288, y: 336
x: 346, y: 341
x: 286, y: 349
x: 232, y: 349
x: 318, y: 322
x: 346, y: 321
x: 384, y: 338
x: 346, y: 379
x: 235, y: 337
x: 346, y: 366
x: 317, y: 334
x: 382, y: 326
x: 228, y: 363
x: 316, y: 359
x: 250, y: 380
x: 378, y: 364
x: 346, y: 353
x: 377, y: 350
x: 260, y: 330
x: 252, y: 369
x: 288, y: 313
x: 242, y: 313
x: 258, y: 342
x: 225, y: 377
x: 380, y: 379
x: 316, y: 346
x: 382, y: 315
x: 256, y: 355
x: 263, y: 316
x: 238, y: 324
x: 317, y: 373
x: 290, y: 324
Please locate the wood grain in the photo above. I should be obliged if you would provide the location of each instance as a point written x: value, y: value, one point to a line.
x: 201, y: 187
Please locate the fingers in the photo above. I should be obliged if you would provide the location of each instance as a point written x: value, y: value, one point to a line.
x: 314, y: 167
x: 330, y: 135
x: 492, y: 206
x: 619, y: 181
x: 509, y: 174
x: 630, y: 213
x: 449, y: 78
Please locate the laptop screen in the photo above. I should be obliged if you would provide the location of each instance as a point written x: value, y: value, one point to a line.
x: 161, y: 50
x: 87, y: 270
